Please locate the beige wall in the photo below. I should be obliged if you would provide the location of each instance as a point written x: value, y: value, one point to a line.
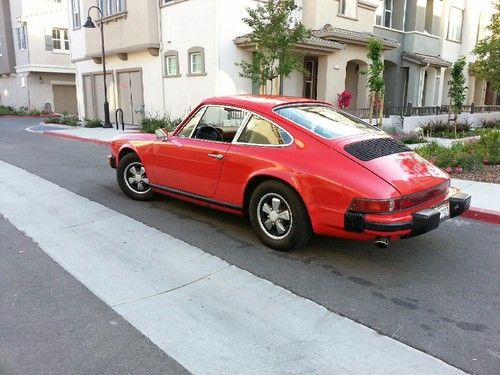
x: 318, y: 13
x: 12, y: 93
x: 137, y: 28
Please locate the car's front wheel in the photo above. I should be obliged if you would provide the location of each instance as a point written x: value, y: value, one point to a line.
x: 279, y: 217
x: 133, y: 179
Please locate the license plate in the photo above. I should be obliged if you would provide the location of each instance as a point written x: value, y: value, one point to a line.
x: 444, y: 210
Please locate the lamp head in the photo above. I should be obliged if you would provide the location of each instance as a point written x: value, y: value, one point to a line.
x: 89, y: 24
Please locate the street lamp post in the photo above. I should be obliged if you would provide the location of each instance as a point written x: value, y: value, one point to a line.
x: 90, y: 25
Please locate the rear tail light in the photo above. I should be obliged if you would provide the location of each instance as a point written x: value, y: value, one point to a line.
x: 380, y: 206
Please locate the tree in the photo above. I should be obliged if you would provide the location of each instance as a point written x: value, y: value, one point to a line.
x: 375, y: 72
x: 487, y: 66
x: 457, y: 92
x: 275, y: 34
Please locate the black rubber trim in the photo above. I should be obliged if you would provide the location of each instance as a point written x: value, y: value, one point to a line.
x: 394, y: 227
x: 112, y: 161
x: 197, y: 197
x: 459, y: 203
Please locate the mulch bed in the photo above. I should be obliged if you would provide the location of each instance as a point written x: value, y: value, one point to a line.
x: 490, y: 173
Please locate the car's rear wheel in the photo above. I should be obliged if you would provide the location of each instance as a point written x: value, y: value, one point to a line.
x: 133, y: 179
x: 279, y: 217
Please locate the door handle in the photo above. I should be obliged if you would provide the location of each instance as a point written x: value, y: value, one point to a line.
x: 216, y: 156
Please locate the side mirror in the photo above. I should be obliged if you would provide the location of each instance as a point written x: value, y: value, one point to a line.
x: 161, y: 135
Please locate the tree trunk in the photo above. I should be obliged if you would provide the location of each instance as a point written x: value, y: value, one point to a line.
x: 381, y: 111
x: 372, y: 103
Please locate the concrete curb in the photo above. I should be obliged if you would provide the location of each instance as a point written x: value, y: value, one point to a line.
x: 57, y: 133
x: 480, y: 214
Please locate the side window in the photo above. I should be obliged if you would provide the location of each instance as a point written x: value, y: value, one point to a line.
x: 259, y: 131
x: 219, y: 124
x: 188, y: 128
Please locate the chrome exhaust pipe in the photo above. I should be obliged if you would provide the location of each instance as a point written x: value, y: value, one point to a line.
x: 382, y: 242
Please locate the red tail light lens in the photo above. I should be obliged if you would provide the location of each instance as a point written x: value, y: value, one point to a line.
x: 375, y: 206
x: 380, y: 206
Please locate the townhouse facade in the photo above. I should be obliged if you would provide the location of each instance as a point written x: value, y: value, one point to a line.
x: 432, y: 35
x: 35, y: 67
x: 168, y: 55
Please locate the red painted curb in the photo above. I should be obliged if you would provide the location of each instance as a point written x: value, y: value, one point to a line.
x: 56, y: 133
x: 17, y: 117
x: 480, y: 214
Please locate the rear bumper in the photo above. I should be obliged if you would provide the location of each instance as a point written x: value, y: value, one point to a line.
x: 112, y: 161
x: 422, y: 221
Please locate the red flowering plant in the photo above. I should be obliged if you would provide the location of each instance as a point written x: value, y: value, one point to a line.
x: 344, y: 99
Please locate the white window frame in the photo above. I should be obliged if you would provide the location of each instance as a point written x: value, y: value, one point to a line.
x: 168, y: 56
x: 21, y: 37
x: 76, y: 14
x: 342, y: 7
x: 112, y: 7
x: 192, y: 55
x: 61, y: 39
x: 382, y: 12
x: 452, y: 18
x: 196, y: 51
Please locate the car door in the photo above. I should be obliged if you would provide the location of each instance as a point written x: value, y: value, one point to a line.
x: 191, y: 161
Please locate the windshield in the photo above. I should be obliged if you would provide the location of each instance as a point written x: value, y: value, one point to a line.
x: 326, y: 121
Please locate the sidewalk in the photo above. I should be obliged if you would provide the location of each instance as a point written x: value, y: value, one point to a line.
x: 485, y: 204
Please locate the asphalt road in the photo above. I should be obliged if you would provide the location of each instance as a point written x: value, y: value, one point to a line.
x: 438, y: 293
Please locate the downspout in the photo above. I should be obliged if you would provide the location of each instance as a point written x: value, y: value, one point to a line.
x: 421, y: 84
x: 160, y: 41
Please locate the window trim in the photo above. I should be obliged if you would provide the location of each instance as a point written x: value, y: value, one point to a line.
x: 190, y: 52
x: 167, y: 54
x: 119, y: 10
x: 62, y: 41
x: 22, y: 43
x: 383, y: 13
x: 76, y: 11
x: 448, y: 37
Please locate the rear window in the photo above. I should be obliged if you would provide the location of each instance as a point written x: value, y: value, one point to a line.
x: 326, y: 121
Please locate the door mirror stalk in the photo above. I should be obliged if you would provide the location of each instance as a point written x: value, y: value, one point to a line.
x: 161, y: 135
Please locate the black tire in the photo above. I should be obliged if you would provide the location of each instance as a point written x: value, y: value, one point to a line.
x: 131, y: 166
x: 273, y: 225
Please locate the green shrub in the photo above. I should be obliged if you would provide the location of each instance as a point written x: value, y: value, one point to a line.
x: 6, y: 110
x: 409, y: 138
x: 490, y: 143
x: 151, y: 124
x: 443, y: 129
x: 490, y: 124
x: 467, y: 155
x: 92, y: 123
x: 66, y: 119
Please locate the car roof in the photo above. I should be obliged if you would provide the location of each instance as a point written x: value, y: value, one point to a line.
x: 264, y: 103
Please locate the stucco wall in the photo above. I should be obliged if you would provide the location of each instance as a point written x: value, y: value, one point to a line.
x: 151, y: 71
x: 12, y: 93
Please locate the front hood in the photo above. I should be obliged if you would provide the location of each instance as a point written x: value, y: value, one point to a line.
x: 394, y: 162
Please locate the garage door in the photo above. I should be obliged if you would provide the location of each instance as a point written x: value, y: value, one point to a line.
x: 64, y: 99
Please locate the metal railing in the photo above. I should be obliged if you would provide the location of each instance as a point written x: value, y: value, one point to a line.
x: 119, y: 111
x: 410, y: 110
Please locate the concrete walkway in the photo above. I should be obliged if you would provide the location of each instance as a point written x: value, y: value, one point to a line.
x: 485, y: 196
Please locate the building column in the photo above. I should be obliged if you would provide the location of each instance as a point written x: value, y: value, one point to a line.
x: 440, y: 88
x: 428, y: 100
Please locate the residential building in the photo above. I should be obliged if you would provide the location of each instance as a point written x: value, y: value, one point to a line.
x: 432, y: 35
x: 168, y: 55
x: 35, y: 67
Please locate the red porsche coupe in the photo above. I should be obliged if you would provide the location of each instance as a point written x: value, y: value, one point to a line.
x: 295, y: 167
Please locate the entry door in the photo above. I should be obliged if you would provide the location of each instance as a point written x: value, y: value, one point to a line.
x: 130, y: 94
x: 310, y: 77
x: 98, y: 92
